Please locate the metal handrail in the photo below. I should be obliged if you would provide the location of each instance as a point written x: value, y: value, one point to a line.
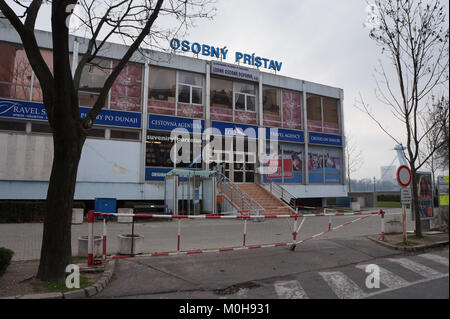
x: 247, y: 200
x: 283, y: 194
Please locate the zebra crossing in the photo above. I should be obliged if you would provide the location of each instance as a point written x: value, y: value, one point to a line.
x: 421, y: 268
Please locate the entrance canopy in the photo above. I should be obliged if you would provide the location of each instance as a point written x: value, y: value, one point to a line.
x: 189, y: 173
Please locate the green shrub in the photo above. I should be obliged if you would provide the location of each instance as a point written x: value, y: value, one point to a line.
x: 5, y: 259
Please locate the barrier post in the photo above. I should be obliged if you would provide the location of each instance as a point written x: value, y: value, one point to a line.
x: 104, y: 238
x: 132, y: 235
x: 179, y: 234
x: 382, y: 237
x: 245, y: 233
x: 294, y: 231
x: 90, y: 216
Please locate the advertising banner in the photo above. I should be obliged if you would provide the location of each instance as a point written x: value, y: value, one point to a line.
x: 443, y: 190
x: 27, y: 110
x: 325, y: 139
x: 425, y: 194
x: 168, y: 123
x: 235, y: 71
x: 284, y: 135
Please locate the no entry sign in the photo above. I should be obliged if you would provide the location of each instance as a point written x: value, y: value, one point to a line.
x: 404, y: 176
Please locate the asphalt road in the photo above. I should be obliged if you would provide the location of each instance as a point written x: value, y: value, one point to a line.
x: 320, y: 269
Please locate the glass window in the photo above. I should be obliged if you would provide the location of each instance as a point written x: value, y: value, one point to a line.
x: 92, y: 80
x: 313, y: 109
x: 96, y: 132
x: 315, y: 165
x: 190, y: 88
x: 47, y: 55
x: 330, y: 115
x: 41, y: 128
x: 94, y: 75
x: 271, y: 100
x: 221, y: 93
x: 332, y: 164
x: 244, y: 96
x: 330, y: 110
x: 314, y: 112
x: 126, y: 90
x: 15, y: 72
x: 159, y: 146
x: 162, y: 84
x: 125, y: 135
x: 12, y: 126
x: 190, y: 78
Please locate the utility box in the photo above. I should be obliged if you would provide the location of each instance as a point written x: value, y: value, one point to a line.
x: 105, y: 205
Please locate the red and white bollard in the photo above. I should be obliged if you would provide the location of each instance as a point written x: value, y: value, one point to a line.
x: 294, y: 230
x: 90, y: 216
x: 104, y: 238
x: 382, y: 237
x: 179, y: 235
x: 245, y: 233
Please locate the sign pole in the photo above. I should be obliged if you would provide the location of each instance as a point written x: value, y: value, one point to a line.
x: 404, y: 179
x: 405, y: 240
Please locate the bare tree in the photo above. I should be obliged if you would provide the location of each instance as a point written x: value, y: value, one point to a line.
x: 354, y: 157
x: 437, y: 137
x: 132, y: 20
x: 414, y: 35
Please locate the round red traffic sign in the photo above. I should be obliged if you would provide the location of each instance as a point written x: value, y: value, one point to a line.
x: 404, y: 176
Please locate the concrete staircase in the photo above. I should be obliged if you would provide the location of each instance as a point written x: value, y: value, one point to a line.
x: 272, y: 204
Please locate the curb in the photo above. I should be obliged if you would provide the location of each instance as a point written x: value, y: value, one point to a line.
x: 410, y: 249
x: 76, y: 294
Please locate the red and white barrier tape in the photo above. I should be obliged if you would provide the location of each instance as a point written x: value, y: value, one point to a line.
x: 220, y: 250
x: 235, y: 216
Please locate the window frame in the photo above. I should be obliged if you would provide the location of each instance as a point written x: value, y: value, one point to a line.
x: 246, y: 95
x: 279, y: 96
x: 191, y: 86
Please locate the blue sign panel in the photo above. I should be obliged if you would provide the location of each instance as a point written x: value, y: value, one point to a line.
x: 325, y: 139
x: 114, y: 118
x: 284, y: 135
x: 156, y: 174
x: 36, y: 111
x: 168, y: 123
x: 22, y: 110
x: 238, y: 130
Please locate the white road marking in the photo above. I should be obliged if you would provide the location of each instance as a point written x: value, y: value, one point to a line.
x: 420, y: 269
x: 388, y: 278
x: 342, y: 286
x: 289, y: 290
x: 436, y: 258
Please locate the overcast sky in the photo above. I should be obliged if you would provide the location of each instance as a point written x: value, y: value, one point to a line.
x: 322, y: 41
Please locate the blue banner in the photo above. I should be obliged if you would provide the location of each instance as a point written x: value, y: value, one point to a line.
x: 27, y: 110
x: 22, y: 110
x: 325, y: 139
x: 168, y: 123
x: 284, y: 135
x: 156, y: 174
x: 238, y: 130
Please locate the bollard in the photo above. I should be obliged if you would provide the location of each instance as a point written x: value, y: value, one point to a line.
x: 245, y: 232
x: 294, y: 231
x: 179, y: 234
x: 90, y: 216
x: 382, y: 237
x: 104, y: 238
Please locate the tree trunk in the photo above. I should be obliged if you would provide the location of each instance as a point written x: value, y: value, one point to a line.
x: 56, y: 251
